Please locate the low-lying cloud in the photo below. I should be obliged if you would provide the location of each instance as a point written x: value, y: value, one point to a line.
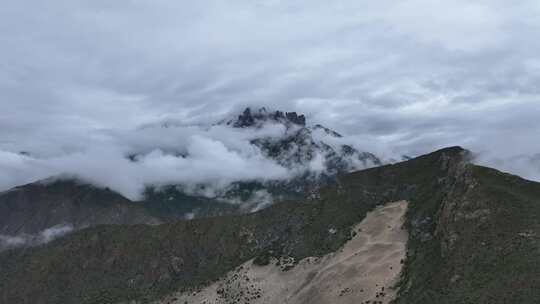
x: 162, y: 154
x: 43, y: 237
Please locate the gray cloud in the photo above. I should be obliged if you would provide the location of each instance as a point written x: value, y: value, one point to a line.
x: 77, y: 77
x: 218, y: 155
x: 43, y: 237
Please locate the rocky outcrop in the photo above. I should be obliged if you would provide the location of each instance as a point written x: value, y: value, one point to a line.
x: 310, y: 152
x: 299, y: 147
x: 261, y: 116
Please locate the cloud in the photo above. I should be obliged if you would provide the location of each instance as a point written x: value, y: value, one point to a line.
x: 257, y: 200
x: 187, y: 155
x: 43, y: 237
x: 168, y: 152
x: 76, y: 78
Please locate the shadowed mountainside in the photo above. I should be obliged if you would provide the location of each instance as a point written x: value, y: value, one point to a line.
x: 34, y: 207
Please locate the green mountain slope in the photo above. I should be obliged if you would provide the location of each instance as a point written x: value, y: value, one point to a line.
x: 34, y: 207
x: 473, y: 239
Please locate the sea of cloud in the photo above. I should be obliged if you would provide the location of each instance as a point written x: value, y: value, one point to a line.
x: 161, y: 154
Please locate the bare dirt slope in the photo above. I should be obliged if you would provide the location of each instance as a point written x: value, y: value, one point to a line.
x: 365, y: 269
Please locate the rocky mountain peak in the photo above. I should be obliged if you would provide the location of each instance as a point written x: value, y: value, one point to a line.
x: 250, y: 118
x: 299, y: 147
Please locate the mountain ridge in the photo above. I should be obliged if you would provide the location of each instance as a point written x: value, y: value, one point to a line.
x: 312, y: 163
x: 451, y: 205
x: 65, y: 201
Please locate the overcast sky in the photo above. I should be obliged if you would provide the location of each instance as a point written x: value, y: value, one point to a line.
x: 402, y: 76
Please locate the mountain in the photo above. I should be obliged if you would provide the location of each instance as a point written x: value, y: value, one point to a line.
x: 30, y: 210
x: 299, y: 146
x: 471, y: 237
x: 314, y: 155
x: 307, y: 151
x: 32, y: 214
x: 248, y: 119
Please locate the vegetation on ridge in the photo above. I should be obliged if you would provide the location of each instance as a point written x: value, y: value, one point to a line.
x: 473, y: 239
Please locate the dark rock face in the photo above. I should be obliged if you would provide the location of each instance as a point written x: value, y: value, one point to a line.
x: 245, y: 119
x: 295, y: 118
x: 250, y: 119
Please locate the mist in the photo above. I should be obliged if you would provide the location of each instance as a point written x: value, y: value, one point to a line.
x: 43, y: 237
x: 163, y: 153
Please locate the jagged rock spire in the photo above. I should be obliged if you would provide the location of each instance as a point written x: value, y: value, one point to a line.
x: 249, y: 118
x: 245, y: 119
